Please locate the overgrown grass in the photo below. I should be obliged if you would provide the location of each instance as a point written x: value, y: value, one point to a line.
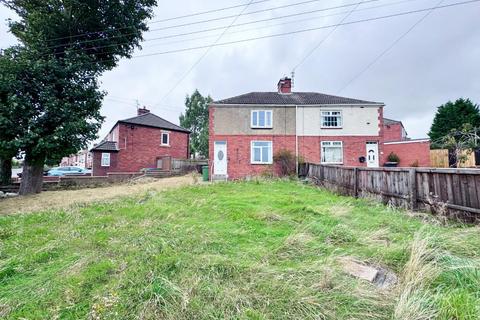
x: 249, y: 250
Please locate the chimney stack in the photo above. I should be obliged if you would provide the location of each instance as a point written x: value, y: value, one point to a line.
x: 143, y: 110
x: 285, y: 85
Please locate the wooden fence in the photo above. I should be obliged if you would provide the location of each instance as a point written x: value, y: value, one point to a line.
x: 439, y: 159
x: 455, y: 191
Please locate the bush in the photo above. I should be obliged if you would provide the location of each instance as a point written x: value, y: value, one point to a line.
x: 393, y: 157
x: 286, y: 162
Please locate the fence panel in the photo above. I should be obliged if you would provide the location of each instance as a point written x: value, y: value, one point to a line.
x: 454, y: 190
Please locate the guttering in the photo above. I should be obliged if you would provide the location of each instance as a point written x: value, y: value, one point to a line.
x: 295, y: 105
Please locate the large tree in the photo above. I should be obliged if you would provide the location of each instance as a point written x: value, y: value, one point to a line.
x: 453, y: 116
x: 66, y: 46
x: 9, y: 127
x: 195, y: 119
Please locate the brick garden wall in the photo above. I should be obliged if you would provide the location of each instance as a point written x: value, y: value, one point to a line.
x: 411, y: 154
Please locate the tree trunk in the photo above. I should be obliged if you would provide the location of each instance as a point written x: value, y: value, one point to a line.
x: 5, y: 171
x: 32, y: 176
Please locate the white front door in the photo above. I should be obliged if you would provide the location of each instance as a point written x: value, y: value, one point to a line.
x: 220, y: 158
x: 372, y: 154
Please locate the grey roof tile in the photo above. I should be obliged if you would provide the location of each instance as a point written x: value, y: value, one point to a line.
x: 105, y: 146
x: 152, y: 120
x: 294, y: 98
x: 390, y: 121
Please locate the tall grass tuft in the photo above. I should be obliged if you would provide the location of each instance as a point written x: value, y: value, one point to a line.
x: 414, y: 302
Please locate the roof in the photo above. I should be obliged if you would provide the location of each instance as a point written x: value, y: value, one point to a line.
x: 294, y: 98
x: 388, y: 122
x: 152, y: 120
x: 105, y: 146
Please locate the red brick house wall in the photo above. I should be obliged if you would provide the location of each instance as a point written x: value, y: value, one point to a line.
x: 97, y: 169
x: 393, y: 132
x: 239, y: 156
x: 140, y: 147
x: 354, y: 147
x: 411, y: 153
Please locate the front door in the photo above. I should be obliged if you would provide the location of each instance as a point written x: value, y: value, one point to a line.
x: 372, y: 154
x: 220, y: 158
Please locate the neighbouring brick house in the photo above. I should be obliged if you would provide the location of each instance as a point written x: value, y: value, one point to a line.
x: 83, y: 159
x: 247, y: 130
x: 144, y: 141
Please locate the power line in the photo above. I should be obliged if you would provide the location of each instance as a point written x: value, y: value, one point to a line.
x: 158, y: 21
x: 274, y: 25
x: 324, y: 39
x: 222, y: 27
x: 309, y: 29
x: 183, y: 24
x: 403, y: 35
x: 204, y: 54
x: 304, y: 30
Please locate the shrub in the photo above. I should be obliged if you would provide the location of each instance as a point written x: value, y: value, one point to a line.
x: 393, y: 157
x: 286, y: 162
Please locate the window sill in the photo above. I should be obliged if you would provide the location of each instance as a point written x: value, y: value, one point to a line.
x: 261, y: 163
x: 331, y: 127
x: 261, y: 128
x: 104, y: 166
x: 165, y: 145
x: 332, y: 163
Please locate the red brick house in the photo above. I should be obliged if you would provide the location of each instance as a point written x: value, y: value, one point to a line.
x: 247, y: 130
x: 144, y: 141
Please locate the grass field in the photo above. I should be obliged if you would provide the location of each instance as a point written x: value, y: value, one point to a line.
x: 247, y: 250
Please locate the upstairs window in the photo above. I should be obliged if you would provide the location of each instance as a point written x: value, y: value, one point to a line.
x: 105, y: 159
x: 331, y: 119
x: 261, y: 119
x: 332, y: 152
x: 165, y: 139
x: 261, y: 152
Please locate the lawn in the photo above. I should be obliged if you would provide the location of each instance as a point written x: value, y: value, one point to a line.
x: 246, y: 250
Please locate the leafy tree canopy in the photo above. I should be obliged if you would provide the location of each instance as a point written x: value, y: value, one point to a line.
x: 195, y: 119
x: 64, y: 47
x: 453, y: 116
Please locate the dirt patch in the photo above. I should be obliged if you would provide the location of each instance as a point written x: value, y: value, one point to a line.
x: 65, y: 198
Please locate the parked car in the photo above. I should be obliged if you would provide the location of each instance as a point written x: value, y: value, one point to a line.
x: 45, y: 171
x: 68, y: 171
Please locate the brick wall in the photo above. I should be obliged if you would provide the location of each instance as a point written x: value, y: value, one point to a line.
x: 239, y: 156
x: 353, y: 148
x: 410, y: 153
x: 140, y: 147
x: 393, y: 132
x: 97, y: 169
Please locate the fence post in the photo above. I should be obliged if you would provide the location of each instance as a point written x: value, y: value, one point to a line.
x: 355, y: 182
x: 412, y: 181
x: 321, y: 173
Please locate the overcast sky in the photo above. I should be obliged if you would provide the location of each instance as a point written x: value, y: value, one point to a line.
x: 437, y: 61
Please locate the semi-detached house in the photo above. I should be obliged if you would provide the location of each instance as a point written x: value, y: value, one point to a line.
x: 247, y: 130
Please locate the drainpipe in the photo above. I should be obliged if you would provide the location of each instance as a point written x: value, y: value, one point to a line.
x: 296, y: 140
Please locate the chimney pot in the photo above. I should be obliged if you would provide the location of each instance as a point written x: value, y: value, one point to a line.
x: 285, y: 85
x: 143, y: 110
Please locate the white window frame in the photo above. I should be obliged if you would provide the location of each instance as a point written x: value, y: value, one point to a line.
x: 322, y: 153
x: 270, y: 154
x: 329, y: 113
x: 257, y: 126
x: 103, y: 161
x: 168, y: 138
